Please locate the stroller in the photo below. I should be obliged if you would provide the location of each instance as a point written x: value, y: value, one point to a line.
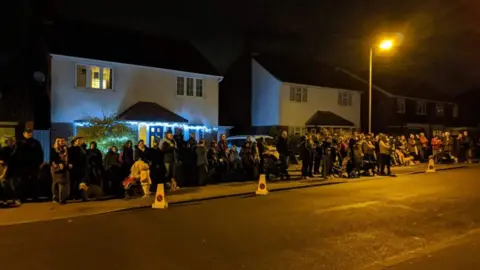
x: 272, y: 165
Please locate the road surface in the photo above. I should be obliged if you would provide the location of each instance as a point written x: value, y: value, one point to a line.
x: 377, y: 223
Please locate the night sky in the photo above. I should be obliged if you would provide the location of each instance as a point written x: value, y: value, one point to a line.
x: 441, y: 44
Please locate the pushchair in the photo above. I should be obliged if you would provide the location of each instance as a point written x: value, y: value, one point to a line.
x: 272, y: 166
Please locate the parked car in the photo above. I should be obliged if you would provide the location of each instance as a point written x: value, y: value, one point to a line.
x: 239, y: 141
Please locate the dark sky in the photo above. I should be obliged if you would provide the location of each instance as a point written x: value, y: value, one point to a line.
x: 441, y: 37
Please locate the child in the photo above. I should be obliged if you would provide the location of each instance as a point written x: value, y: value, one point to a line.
x: 139, y: 173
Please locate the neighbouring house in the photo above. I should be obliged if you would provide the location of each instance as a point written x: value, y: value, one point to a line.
x: 154, y: 83
x: 302, y: 96
x: 403, y: 105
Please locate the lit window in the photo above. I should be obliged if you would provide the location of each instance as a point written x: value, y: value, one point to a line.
x: 400, y: 105
x: 199, y: 87
x: 107, y: 78
x: 421, y: 108
x: 455, y: 111
x: 190, y: 87
x: 298, y: 94
x: 94, y: 77
x: 345, y: 99
x: 180, y: 86
x: 440, y: 109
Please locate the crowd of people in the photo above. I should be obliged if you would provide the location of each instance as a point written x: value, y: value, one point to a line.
x: 80, y: 172
x: 353, y: 155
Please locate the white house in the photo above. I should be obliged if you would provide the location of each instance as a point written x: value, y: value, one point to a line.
x: 156, y: 86
x: 303, y: 96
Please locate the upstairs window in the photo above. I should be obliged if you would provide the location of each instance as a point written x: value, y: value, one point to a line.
x: 94, y: 77
x: 400, y: 105
x: 421, y: 108
x: 189, y: 87
x: 345, y: 99
x: 440, y: 109
x: 298, y: 94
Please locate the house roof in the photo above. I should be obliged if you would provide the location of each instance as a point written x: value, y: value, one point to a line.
x: 396, y: 86
x: 327, y: 118
x: 113, y: 44
x: 150, y: 112
x: 294, y: 70
x: 409, y: 87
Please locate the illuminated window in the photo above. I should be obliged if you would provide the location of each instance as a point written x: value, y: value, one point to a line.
x: 345, y: 99
x: 180, y: 86
x: 400, y: 105
x: 94, y: 77
x: 440, y: 109
x: 298, y: 94
x: 189, y: 87
x: 199, y: 87
x: 421, y: 108
x: 455, y: 111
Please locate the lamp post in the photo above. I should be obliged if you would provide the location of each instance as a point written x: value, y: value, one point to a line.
x: 384, y: 45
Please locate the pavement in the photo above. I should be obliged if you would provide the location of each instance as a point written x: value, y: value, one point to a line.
x: 360, y: 225
x: 34, y: 212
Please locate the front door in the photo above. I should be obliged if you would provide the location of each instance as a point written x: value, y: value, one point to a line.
x: 156, y: 134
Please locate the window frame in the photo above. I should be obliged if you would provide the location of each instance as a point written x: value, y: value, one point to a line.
x: 302, y: 93
x: 88, y: 77
x: 418, y: 107
x: 401, y: 109
x: 345, y: 98
x: 195, y: 91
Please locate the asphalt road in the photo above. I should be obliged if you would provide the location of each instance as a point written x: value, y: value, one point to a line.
x: 377, y: 223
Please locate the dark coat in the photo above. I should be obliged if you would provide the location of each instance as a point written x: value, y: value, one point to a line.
x: 28, y: 153
x: 283, y: 146
x: 112, y: 159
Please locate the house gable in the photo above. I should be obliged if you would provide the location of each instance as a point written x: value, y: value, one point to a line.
x: 265, y: 96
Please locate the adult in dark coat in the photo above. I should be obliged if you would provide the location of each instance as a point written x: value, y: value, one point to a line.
x: 169, y: 149
x: 306, y: 154
x: 94, y: 165
x: 283, y: 148
x: 126, y: 158
x: 77, y: 162
x: 26, y: 160
x: 113, y: 172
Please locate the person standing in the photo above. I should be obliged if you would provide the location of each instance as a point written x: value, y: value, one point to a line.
x: 28, y: 156
x: 385, y: 149
x: 126, y: 158
x: 113, y: 172
x: 59, y: 170
x: 283, y: 148
x: 169, y: 148
x: 306, y: 153
x: 424, y: 143
x: 95, y: 165
x: 77, y: 163
x: 468, y: 146
x: 202, y: 164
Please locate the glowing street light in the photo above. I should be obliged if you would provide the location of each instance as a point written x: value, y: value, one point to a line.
x: 384, y: 45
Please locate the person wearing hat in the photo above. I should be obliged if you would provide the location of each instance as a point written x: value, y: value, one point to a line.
x: 27, y: 159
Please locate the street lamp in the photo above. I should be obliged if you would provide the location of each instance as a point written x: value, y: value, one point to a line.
x: 384, y: 45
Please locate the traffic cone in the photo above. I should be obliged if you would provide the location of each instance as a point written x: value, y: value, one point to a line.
x: 160, y: 200
x: 431, y: 165
x: 262, y: 186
